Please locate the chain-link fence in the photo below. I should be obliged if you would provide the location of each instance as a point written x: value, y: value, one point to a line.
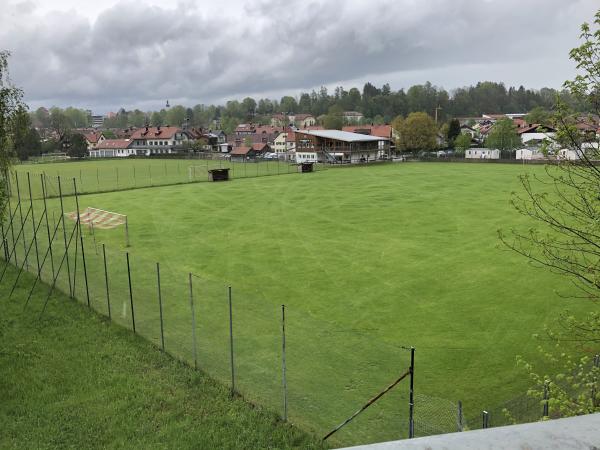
x: 123, y: 174
x: 296, y: 362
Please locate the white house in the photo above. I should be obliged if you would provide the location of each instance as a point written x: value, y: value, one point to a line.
x: 482, y: 153
x: 353, y: 117
x: 158, y: 140
x: 536, y: 133
x: 112, y: 148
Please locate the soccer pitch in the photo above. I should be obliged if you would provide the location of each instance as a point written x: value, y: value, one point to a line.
x: 367, y: 260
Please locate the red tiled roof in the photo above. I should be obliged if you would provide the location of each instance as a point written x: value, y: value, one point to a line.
x: 155, y: 133
x: 113, y: 144
x: 241, y: 150
x: 92, y: 137
x: 373, y: 130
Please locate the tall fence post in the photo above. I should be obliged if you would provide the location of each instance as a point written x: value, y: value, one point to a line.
x: 283, y: 365
x: 85, y: 277
x: 47, y: 224
x: 62, y: 215
x: 546, y: 397
x: 12, y: 228
x: 459, y: 416
x: 231, y: 343
x: 193, y: 322
x: 411, y: 400
x: 130, y: 293
x: 106, y: 281
x: 160, y: 309
x: 21, y: 217
x: 485, y: 419
x: 34, y: 228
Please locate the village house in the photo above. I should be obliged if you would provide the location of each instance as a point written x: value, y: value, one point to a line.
x: 149, y: 141
x: 245, y: 153
x: 297, y: 120
x: 351, y: 117
x: 92, y: 139
x: 338, y: 146
x: 535, y: 134
x: 248, y: 133
x: 112, y: 148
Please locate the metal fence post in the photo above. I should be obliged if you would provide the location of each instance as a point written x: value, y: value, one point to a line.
x: 411, y: 403
x: 283, y: 365
x: 12, y: 229
x: 62, y: 215
x: 193, y: 322
x: 106, y: 281
x: 37, y: 254
x: 160, y: 309
x: 47, y: 224
x: 231, y: 344
x: 486, y: 419
x: 130, y: 293
x: 85, y: 277
x: 460, y: 416
x: 21, y: 217
x: 546, y: 397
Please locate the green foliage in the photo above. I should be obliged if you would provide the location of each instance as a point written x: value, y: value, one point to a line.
x: 10, y: 103
x: 453, y: 131
x: 26, y: 139
x: 570, y: 381
x: 503, y: 136
x: 176, y: 116
x: 462, y: 142
x: 77, y: 147
x: 539, y: 115
x: 565, y: 211
x: 418, y: 132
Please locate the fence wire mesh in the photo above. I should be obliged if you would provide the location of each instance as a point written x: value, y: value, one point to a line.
x: 190, y: 313
x: 104, y: 176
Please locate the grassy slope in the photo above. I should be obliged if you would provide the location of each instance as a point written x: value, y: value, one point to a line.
x: 75, y: 380
x: 367, y: 259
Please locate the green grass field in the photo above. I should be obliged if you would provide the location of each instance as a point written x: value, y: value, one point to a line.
x: 74, y: 380
x: 367, y: 260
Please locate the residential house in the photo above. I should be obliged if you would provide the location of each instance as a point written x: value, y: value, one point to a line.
x: 338, y: 146
x: 536, y: 134
x: 243, y: 153
x: 150, y: 141
x: 264, y: 134
x: 92, y: 139
x: 298, y: 120
x: 352, y: 117
x: 112, y: 148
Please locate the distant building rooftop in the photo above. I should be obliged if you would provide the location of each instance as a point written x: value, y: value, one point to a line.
x: 345, y: 136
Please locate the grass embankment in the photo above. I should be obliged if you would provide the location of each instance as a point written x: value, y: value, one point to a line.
x: 75, y: 380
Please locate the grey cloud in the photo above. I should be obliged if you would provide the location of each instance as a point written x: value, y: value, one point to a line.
x: 134, y: 55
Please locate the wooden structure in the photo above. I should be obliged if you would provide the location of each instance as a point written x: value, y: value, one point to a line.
x: 337, y: 146
x: 306, y: 167
x: 218, y: 174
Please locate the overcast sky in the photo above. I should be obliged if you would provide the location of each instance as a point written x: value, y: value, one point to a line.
x: 107, y: 54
